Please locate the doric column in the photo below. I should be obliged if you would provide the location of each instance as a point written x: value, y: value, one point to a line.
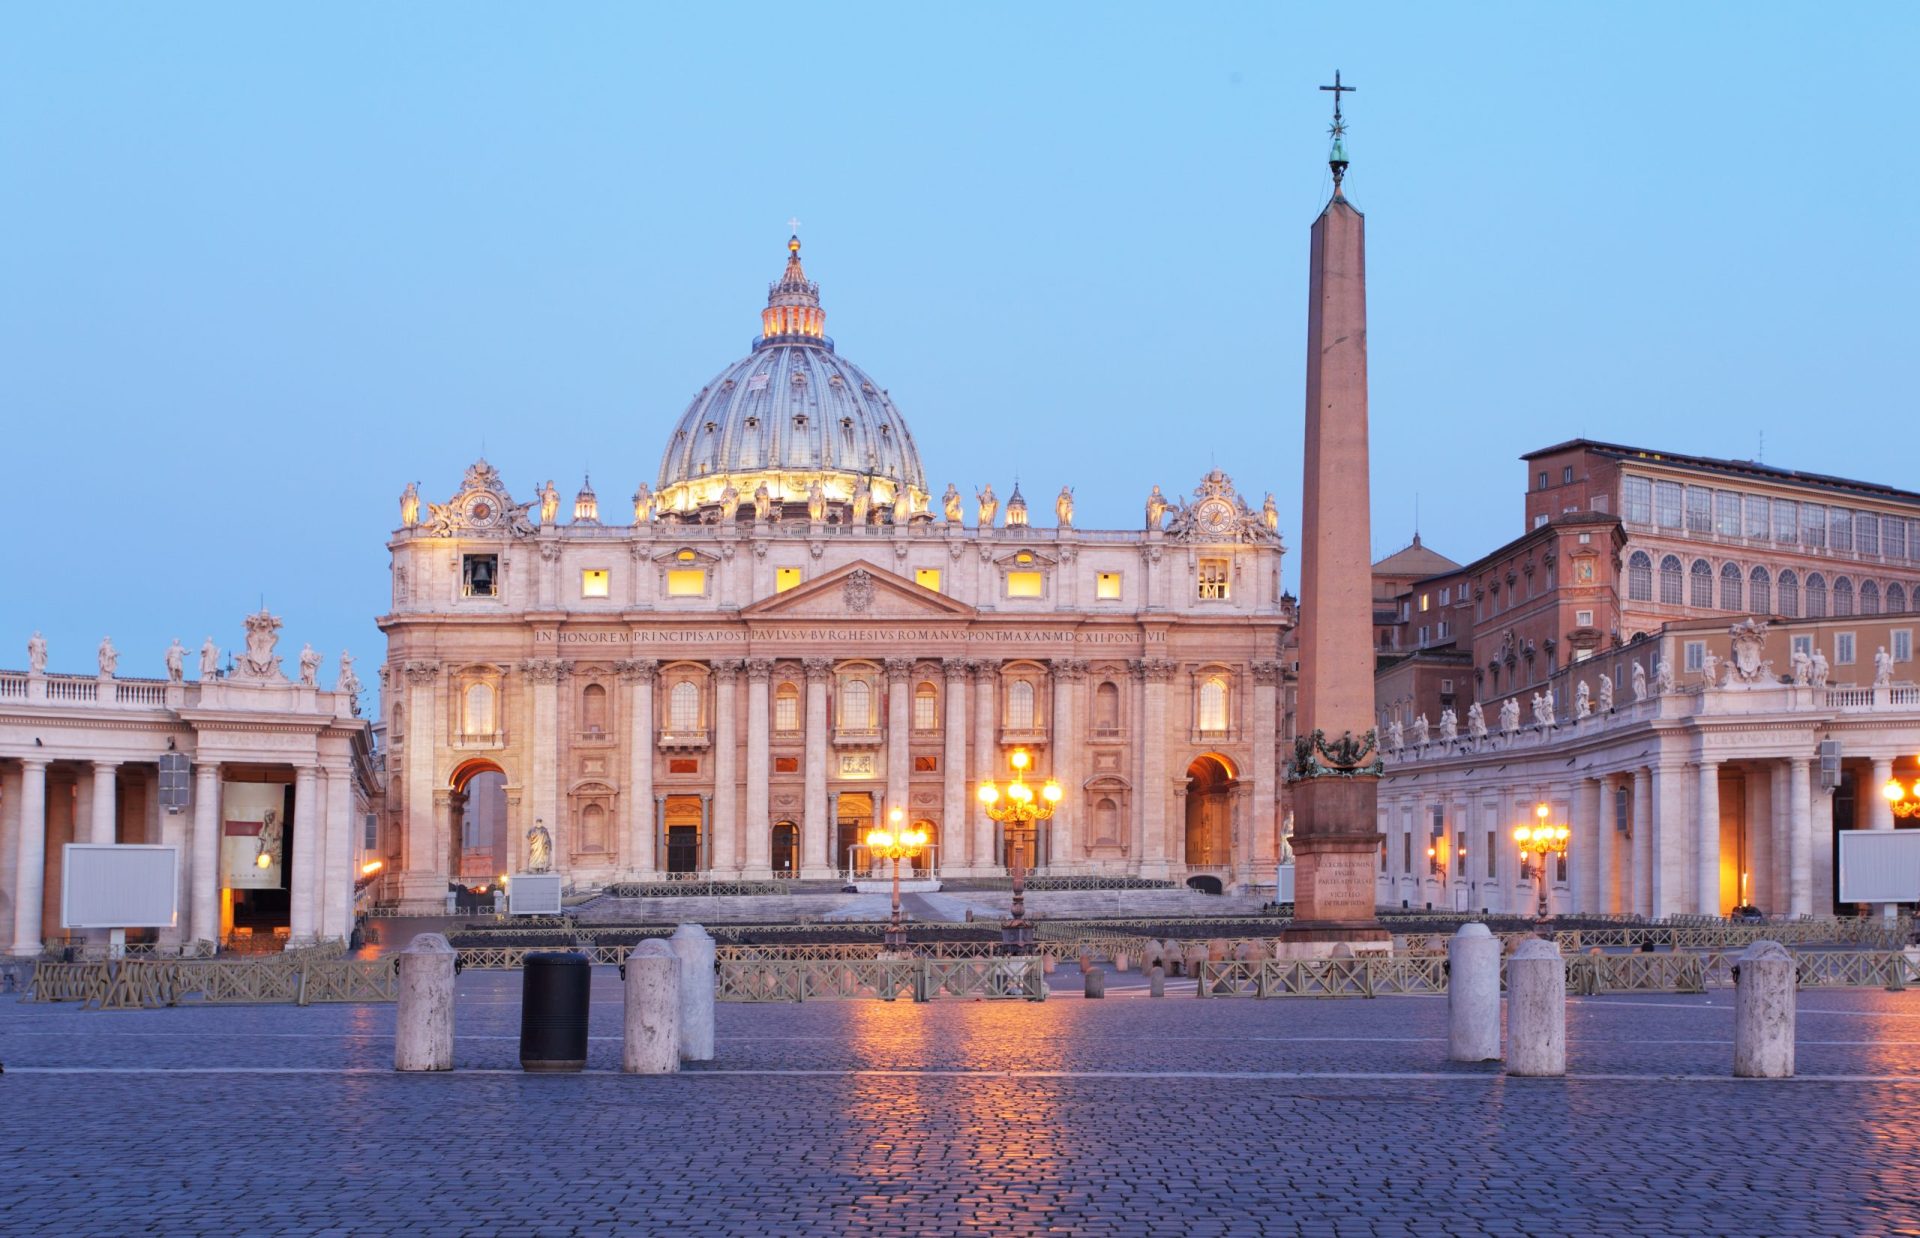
x: 1670, y: 893
x: 1068, y: 673
x: 814, y: 824
x: 955, y: 855
x: 1642, y: 841
x: 336, y: 865
x: 1821, y: 814
x: 1606, y: 870
x: 1589, y: 837
x: 1155, y: 848
x: 204, y: 923
x: 30, y: 856
x: 1707, y: 846
x: 309, y: 823
x: 546, y: 674
x: 1799, y: 837
x: 759, y: 822
x: 726, y: 776
x: 899, y: 727
x: 422, y: 854
x: 638, y: 674
x: 1775, y: 890
x: 1263, y: 842
x: 986, y: 761
x: 1880, y: 810
x: 101, y: 829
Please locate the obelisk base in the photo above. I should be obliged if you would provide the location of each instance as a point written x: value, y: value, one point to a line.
x: 1336, y: 847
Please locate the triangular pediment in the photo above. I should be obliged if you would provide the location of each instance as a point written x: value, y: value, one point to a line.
x: 859, y: 590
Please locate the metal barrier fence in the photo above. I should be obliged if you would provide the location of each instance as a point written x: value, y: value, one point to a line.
x: 788, y: 980
x: 134, y: 984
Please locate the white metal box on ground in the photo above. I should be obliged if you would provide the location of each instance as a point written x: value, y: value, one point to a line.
x: 119, y: 886
x: 1879, y: 866
x: 534, y: 894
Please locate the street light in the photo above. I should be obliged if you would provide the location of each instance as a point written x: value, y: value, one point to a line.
x: 1905, y: 803
x: 1541, y: 840
x: 1023, y: 807
x: 896, y: 844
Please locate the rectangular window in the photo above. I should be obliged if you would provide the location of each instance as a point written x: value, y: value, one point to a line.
x: 1446, y: 595
x: 1893, y: 537
x: 686, y: 582
x: 1560, y: 869
x: 926, y: 710
x: 1786, y: 521
x: 1666, y: 504
x: 479, y: 576
x: 1025, y: 584
x: 786, y: 713
x: 786, y: 765
x: 785, y: 578
x: 1866, y: 533
x: 1622, y: 811
x: 926, y: 765
x: 1757, y: 522
x: 1543, y: 479
x: 1699, y: 509
x: 1636, y: 500
x: 1843, y: 649
x: 1540, y: 521
x: 373, y: 832
x: 1566, y: 476
x: 1902, y: 639
x: 1813, y: 524
x: 1213, y: 580
x: 1493, y: 856
x: 1106, y: 586
x: 596, y: 582
x: 1425, y: 600
x: 1803, y: 645
x: 1406, y: 852
x: 1839, y: 528
x: 1583, y: 618
x: 1695, y: 654
x: 1726, y: 513
x: 927, y: 578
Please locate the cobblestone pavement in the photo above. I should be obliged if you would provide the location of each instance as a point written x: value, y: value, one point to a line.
x: 1128, y: 1116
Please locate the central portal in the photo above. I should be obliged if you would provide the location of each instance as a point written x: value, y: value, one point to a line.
x: 853, y: 818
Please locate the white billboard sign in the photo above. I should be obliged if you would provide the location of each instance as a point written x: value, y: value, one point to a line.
x: 1879, y: 866
x: 119, y: 886
x: 534, y: 894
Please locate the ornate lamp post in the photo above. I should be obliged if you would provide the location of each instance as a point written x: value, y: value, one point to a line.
x: 896, y: 844
x: 1541, y: 840
x: 1905, y: 803
x: 1022, y: 807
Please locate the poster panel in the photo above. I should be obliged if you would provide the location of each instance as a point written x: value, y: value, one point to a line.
x: 252, y: 830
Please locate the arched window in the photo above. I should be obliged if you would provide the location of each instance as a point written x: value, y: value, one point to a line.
x: 1213, y: 706
x: 926, y: 708
x: 1020, y: 705
x: 1816, y: 596
x: 1106, y: 821
x: 1640, y: 577
x: 1896, y: 599
x: 1790, y: 594
x: 1106, y: 708
x: 1842, y: 597
x: 1700, y: 584
x: 1670, y: 580
x: 1760, y: 591
x: 786, y: 709
x: 683, y: 707
x: 478, y: 713
x: 1869, y: 598
x: 593, y: 709
x: 1730, y: 587
x: 856, y: 705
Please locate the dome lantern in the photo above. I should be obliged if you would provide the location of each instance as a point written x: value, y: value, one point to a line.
x: 793, y: 312
x: 586, y: 505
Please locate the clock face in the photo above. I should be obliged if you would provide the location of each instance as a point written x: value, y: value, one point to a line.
x: 1214, y: 515
x: 480, y: 510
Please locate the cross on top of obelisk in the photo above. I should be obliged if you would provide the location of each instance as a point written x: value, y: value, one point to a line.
x: 793, y: 225
x: 1337, y: 158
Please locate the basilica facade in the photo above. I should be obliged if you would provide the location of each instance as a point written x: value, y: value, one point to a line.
x: 788, y: 636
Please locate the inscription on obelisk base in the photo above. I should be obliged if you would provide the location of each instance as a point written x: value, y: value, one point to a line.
x: 1336, y: 858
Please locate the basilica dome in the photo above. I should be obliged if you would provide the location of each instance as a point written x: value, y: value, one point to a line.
x: 796, y: 417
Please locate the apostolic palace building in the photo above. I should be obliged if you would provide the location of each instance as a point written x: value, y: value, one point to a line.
x: 787, y: 635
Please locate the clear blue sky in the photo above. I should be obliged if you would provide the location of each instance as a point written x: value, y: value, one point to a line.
x: 261, y: 265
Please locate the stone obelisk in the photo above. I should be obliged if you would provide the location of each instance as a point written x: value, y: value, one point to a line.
x: 1335, y: 771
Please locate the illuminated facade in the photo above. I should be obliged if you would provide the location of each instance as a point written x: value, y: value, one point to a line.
x: 790, y: 634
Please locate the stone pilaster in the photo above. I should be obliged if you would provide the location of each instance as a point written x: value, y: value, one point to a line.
x: 1707, y: 849
x: 336, y: 865
x: 546, y: 675
x: 423, y: 860
x: 726, y: 776
x: 815, y: 826
x: 1642, y: 842
x: 1156, y: 673
x: 204, y: 872
x: 759, y: 820
x: 986, y: 761
x: 899, y: 729
x: 1069, y: 674
x: 955, y: 855
x: 309, y: 824
x: 1800, y: 800
x: 1262, y: 855
x: 640, y: 826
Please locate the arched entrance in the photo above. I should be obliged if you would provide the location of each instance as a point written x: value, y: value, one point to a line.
x: 853, y: 817
x: 786, y: 849
x: 1210, y: 785
x: 482, y: 843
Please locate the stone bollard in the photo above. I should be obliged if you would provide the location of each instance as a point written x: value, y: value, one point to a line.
x: 423, y: 1026
x: 1536, y: 1010
x: 694, y: 948
x: 1156, y: 981
x: 1096, y: 983
x: 1047, y: 964
x: 1119, y: 960
x: 1196, y: 956
x: 1763, y: 1012
x: 1217, y: 950
x: 1473, y: 995
x: 653, y: 1010
x: 1086, y: 964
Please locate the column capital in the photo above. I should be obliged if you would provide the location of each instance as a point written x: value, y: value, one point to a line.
x: 101, y: 766
x: 34, y: 762
x: 421, y: 672
x: 759, y: 670
x: 817, y: 669
x: 985, y: 668
x: 726, y: 670
x: 547, y: 670
x: 955, y: 668
x: 898, y: 669
x: 636, y: 670
x: 1070, y: 669
x: 1265, y: 672
x: 1153, y: 670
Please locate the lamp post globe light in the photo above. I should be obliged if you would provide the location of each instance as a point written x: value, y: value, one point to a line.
x: 1540, y: 840
x: 1905, y: 804
x: 896, y: 844
x: 1019, y: 807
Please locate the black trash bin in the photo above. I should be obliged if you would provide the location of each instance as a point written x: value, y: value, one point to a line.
x: 553, y: 1011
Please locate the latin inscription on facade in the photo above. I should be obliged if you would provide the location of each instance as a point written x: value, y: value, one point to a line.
x: 839, y: 635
